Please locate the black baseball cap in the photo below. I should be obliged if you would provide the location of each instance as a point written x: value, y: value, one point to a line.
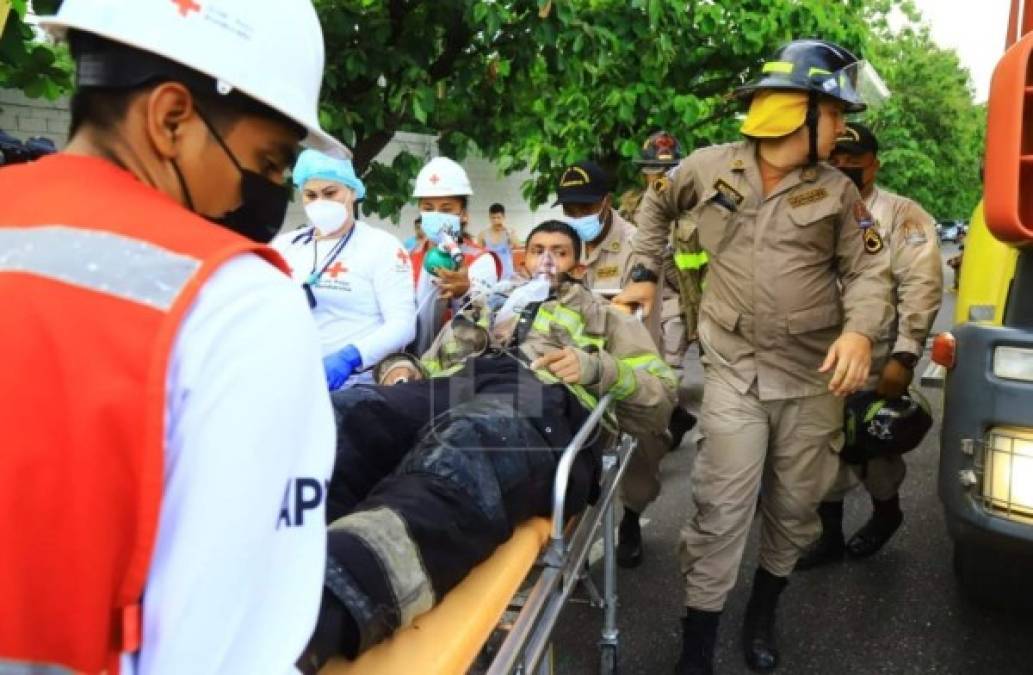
x: 582, y: 183
x: 857, y: 139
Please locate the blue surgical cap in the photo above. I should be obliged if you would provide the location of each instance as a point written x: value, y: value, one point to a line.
x: 314, y: 164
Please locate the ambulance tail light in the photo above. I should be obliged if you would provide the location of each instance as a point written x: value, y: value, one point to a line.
x: 944, y: 350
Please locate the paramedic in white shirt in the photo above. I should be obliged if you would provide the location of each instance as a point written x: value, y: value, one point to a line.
x: 358, y: 279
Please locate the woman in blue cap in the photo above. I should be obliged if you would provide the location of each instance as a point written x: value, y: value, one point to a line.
x: 358, y: 279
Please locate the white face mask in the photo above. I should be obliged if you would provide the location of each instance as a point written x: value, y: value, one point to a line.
x: 326, y: 215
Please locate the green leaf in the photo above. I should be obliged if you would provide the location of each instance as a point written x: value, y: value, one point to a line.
x: 417, y: 111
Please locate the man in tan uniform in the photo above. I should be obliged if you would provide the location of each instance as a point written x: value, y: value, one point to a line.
x: 584, y: 191
x: 796, y: 295
x: 584, y: 194
x: 910, y: 235
x: 682, y: 275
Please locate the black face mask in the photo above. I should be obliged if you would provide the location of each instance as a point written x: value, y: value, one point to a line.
x: 263, y: 202
x: 854, y: 173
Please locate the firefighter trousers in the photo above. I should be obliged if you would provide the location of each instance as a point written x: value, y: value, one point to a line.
x: 431, y: 477
x: 782, y: 451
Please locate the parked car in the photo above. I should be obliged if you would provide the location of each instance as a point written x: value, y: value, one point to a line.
x: 951, y: 230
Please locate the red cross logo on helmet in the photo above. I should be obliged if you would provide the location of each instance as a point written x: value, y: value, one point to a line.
x: 434, y: 179
x: 186, y: 6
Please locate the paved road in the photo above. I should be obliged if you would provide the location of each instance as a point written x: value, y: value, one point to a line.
x: 898, y: 612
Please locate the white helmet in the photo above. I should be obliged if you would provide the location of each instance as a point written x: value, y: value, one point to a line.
x: 271, y: 52
x: 442, y: 177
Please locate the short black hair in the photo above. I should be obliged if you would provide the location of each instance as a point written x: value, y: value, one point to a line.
x: 110, y: 74
x: 497, y: 208
x: 557, y: 227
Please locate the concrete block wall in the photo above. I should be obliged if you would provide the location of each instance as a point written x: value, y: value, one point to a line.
x: 24, y: 117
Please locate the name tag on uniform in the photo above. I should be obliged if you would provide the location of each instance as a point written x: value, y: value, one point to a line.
x: 608, y: 272
x: 808, y: 197
x: 727, y: 196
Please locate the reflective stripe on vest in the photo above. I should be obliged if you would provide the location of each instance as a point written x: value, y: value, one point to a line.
x: 104, y: 262
x: 626, y: 384
x: 22, y: 668
x: 690, y: 261
x: 653, y: 365
x: 568, y: 320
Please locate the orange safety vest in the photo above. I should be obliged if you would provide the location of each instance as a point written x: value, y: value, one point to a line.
x: 97, y: 271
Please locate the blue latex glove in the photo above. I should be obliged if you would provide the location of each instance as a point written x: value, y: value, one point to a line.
x: 340, y: 365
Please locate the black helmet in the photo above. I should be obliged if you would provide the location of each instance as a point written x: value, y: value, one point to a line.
x: 660, y: 151
x: 812, y: 66
x: 877, y: 426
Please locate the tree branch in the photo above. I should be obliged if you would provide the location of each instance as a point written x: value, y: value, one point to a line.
x: 368, y: 148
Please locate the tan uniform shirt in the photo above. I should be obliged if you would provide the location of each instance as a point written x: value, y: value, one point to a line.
x: 788, y: 273
x: 910, y: 233
x: 607, y: 266
x: 628, y: 365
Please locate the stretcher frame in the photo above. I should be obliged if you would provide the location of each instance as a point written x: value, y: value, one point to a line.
x: 564, y: 563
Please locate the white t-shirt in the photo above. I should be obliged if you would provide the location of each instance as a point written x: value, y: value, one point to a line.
x: 365, y: 295
x: 237, y: 572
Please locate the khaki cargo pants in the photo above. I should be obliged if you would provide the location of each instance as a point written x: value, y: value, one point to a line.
x: 786, y: 451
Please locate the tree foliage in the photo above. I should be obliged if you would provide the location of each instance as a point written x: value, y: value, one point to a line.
x: 536, y: 84
x: 37, y: 68
x: 931, y: 132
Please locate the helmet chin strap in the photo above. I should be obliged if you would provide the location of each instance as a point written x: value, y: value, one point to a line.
x: 812, y: 127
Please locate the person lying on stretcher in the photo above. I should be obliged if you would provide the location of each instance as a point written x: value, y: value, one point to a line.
x: 438, y: 463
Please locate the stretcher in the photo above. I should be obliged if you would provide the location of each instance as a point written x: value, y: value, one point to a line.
x: 448, y: 639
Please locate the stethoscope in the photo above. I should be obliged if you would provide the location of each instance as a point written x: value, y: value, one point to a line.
x: 314, y: 277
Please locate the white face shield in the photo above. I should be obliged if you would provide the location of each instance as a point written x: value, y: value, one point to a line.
x: 858, y: 82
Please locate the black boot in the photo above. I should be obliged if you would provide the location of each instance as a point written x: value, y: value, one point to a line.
x: 629, y: 540
x: 886, y: 518
x: 681, y: 423
x: 829, y: 547
x: 758, y: 630
x: 699, y: 633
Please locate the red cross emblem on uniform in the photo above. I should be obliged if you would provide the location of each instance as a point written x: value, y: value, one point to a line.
x: 402, y: 258
x: 434, y: 179
x: 336, y: 268
x: 187, y: 6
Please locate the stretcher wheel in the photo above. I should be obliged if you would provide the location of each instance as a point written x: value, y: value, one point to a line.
x: 607, y: 660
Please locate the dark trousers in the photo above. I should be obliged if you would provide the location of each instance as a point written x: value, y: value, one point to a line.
x: 431, y: 477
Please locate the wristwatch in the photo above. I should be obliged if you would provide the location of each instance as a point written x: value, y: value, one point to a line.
x: 641, y: 273
x: 906, y: 359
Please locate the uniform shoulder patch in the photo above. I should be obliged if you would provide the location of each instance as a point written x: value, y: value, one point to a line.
x: 913, y: 233
x: 728, y: 192
x: 661, y: 185
x: 872, y: 240
x: 808, y: 197
x: 862, y: 215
